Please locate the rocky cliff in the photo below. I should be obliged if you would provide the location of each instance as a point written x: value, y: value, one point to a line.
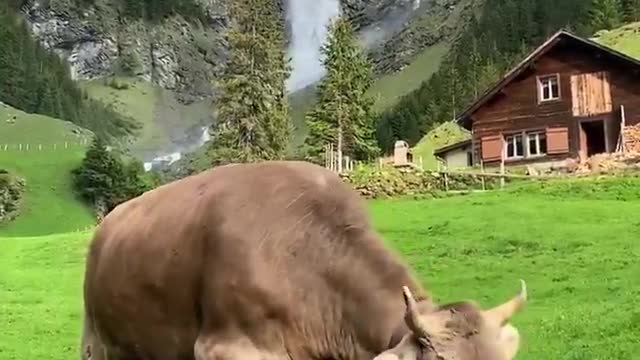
x: 97, y: 41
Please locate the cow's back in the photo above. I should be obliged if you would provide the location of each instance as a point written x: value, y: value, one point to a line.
x: 254, y: 249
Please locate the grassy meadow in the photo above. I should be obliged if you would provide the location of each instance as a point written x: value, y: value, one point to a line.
x: 49, y: 205
x: 625, y: 39
x: 575, y: 243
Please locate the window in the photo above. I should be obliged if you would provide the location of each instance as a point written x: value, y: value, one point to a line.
x: 525, y: 144
x: 537, y: 142
x: 549, y: 87
x: 515, y: 148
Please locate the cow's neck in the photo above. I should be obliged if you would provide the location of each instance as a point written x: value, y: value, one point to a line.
x: 361, y: 306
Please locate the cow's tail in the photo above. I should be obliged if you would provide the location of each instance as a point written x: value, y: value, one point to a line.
x: 91, y: 346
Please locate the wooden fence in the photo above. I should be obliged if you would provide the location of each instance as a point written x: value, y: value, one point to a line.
x: 332, y: 160
x: 45, y: 147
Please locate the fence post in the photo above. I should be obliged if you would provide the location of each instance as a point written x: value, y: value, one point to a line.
x: 502, y: 173
x: 446, y: 179
x: 482, y: 176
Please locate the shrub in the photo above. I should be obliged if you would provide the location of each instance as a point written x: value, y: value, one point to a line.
x: 11, y: 190
x: 389, y: 181
x: 104, y: 180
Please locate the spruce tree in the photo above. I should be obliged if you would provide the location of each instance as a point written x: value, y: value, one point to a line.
x: 104, y: 180
x: 606, y: 14
x: 252, y: 120
x: 342, y: 115
x: 631, y: 10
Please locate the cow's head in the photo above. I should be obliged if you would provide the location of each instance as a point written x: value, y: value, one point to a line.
x: 460, y: 331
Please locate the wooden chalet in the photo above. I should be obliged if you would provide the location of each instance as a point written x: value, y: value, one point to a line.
x: 569, y: 99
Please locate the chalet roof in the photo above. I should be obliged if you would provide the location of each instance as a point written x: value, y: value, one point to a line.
x: 454, y: 146
x: 562, y: 35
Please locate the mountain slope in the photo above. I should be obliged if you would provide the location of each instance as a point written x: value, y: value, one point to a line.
x: 625, y: 39
x: 167, y: 125
x: 43, y: 151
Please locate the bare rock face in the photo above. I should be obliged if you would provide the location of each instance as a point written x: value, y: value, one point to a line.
x: 90, y: 54
x: 96, y: 42
x: 428, y: 22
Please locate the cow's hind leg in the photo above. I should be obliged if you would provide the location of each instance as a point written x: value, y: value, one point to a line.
x: 211, y: 347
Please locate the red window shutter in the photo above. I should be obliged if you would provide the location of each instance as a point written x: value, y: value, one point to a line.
x: 492, y: 148
x: 557, y: 140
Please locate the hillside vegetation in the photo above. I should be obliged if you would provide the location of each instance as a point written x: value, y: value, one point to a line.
x: 581, y: 280
x: 442, y: 135
x: 49, y: 205
x: 390, y: 87
x: 165, y: 123
x: 38, y: 81
x: 625, y: 39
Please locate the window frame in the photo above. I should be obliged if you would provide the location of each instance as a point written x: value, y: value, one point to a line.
x: 526, y: 151
x: 540, y: 81
x: 539, y: 134
x: 506, y: 146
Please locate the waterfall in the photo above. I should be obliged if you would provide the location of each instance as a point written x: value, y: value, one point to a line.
x: 309, y: 21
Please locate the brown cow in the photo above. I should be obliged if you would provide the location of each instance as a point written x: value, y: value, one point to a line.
x: 275, y: 260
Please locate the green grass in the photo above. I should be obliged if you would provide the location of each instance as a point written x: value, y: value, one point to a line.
x: 41, y: 296
x: 18, y: 127
x: 444, y: 134
x: 570, y: 241
x: 625, y: 39
x: 48, y: 205
x: 389, y: 88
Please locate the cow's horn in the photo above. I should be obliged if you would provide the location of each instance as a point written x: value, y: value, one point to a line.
x: 502, y: 313
x: 412, y: 316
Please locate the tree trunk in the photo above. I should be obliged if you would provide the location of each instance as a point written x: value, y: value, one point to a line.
x: 339, y: 148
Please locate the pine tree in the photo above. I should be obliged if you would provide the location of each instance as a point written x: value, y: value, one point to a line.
x: 342, y: 115
x: 252, y: 121
x: 606, y: 14
x: 104, y: 181
x: 631, y: 10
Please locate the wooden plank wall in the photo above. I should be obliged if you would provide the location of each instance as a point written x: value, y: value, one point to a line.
x: 591, y: 94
